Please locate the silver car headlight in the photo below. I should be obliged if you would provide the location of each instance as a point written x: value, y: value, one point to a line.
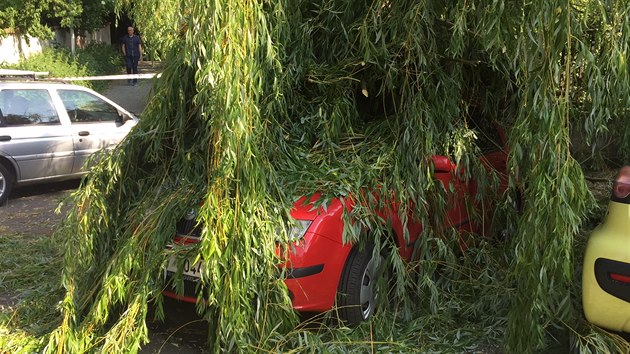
x: 298, y: 229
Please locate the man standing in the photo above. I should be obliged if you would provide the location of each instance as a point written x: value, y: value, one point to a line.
x: 132, y: 50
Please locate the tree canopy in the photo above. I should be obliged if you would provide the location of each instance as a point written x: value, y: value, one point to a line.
x: 33, y: 17
x: 261, y: 102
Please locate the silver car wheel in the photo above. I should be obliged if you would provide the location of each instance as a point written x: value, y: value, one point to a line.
x: 369, y: 295
x: 357, y: 296
x: 7, y: 179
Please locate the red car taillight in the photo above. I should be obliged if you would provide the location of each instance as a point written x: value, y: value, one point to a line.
x: 621, y: 186
x: 620, y: 278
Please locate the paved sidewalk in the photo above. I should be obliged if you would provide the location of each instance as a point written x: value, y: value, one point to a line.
x: 133, y: 98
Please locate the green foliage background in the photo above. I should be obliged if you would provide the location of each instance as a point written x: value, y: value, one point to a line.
x: 34, y: 17
x: 264, y: 101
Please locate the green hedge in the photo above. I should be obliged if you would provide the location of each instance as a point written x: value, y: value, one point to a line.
x: 95, y: 59
x: 101, y: 59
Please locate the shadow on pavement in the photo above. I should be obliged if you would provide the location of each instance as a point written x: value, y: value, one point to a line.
x: 182, y: 331
x: 45, y: 188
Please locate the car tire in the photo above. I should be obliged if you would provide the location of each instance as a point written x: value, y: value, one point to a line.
x: 358, y: 292
x: 7, y: 179
x: 517, y: 203
x: 507, y: 233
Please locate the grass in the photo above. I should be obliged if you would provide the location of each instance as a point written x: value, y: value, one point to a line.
x: 30, y: 272
x: 28, y: 262
x: 96, y: 59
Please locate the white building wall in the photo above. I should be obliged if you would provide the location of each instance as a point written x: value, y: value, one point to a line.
x: 63, y: 37
x: 12, y: 45
x: 104, y: 35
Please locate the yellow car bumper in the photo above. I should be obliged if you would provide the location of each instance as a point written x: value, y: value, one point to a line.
x: 606, y: 272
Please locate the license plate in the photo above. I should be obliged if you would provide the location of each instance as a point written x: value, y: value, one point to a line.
x: 190, y: 270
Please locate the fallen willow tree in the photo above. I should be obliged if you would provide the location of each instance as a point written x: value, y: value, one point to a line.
x: 261, y: 102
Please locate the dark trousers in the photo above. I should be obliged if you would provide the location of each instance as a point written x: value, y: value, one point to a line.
x: 132, y: 67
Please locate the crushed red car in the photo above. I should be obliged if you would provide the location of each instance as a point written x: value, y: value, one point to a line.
x: 322, y: 272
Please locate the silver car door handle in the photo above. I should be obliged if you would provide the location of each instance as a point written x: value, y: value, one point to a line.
x: 5, y: 137
x: 84, y: 133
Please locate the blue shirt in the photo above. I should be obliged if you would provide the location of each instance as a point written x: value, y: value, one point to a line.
x: 132, y: 45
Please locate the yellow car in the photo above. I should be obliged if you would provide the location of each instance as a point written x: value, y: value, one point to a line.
x: 606, y: 273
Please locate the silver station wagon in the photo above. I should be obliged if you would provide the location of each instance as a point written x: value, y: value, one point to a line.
x: 48, y: 130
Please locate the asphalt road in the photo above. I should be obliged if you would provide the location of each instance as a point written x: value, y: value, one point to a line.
x: 31, y: 212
